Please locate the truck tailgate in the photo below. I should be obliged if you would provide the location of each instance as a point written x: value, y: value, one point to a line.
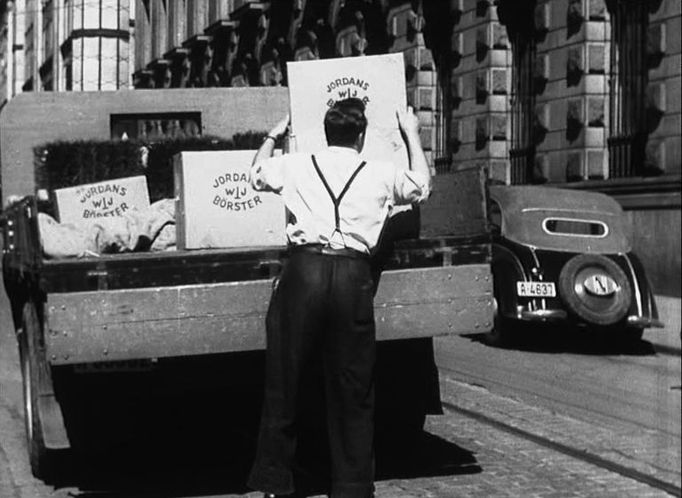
x: 184, y: 320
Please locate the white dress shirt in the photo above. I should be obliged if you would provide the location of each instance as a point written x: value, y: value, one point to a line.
x: 363, y: 209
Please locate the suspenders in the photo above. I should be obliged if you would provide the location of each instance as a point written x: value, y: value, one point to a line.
x: 337, y: 200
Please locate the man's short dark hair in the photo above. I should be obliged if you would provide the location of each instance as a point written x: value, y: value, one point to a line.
x: 344, y: 122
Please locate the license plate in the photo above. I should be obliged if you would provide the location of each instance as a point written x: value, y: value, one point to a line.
x: 535, y: 289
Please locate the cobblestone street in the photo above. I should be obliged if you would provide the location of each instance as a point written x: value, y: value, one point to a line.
x: 506, y: 464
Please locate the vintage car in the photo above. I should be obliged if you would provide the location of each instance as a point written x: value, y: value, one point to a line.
x: 565, y: 256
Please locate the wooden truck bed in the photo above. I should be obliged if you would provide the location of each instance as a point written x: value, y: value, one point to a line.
x: 182, y: 303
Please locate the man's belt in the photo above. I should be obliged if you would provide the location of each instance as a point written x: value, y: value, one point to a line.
x: 346, y: 252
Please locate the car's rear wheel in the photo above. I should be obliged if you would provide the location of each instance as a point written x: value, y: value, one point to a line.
x: 595, y: 289
x: 633, y: 335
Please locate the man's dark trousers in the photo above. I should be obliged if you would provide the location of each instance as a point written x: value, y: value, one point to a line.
x: 323, y: 305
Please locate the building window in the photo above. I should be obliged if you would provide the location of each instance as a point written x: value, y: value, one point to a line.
x: 629, y: 75
x: 155, y: 126
x: 143, y: 35
x: 68, y: 74
x: 68, y: 16
x: 48, y: 32
x: 521, y: 29
x: 443, y: 150
x: 30, y: 56
x: 439, y: 22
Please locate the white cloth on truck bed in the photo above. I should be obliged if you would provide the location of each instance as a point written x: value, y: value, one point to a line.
x: 151, y: 229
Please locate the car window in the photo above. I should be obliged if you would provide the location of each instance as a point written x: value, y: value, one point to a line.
x: 575, y: 227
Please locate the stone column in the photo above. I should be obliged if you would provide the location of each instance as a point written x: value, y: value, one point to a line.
x: 405, y: 27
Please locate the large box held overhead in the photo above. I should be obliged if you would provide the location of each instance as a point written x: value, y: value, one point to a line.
x: 377, y: 80
x: 93, y: 202
x: 216, y: 206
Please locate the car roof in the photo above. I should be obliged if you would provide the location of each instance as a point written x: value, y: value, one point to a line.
x: 525, y: 208
x: 518, y: 198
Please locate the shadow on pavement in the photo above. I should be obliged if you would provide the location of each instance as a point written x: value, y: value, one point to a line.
x: 545, y: 340
x: 172, y: 434
x: 220, y: 466
x: 430, y: 456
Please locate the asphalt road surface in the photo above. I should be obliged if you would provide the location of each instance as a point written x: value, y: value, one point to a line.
x: 597, y: 380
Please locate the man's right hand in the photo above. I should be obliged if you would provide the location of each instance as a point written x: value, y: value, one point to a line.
x: 409, y: 126
x: 408, y: 122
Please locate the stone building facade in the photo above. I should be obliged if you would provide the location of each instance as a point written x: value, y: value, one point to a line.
x: 596, y: 105
x: 597, y: 88
x: 247, y: 43
x: 537, y: 90
x: 65, y: 45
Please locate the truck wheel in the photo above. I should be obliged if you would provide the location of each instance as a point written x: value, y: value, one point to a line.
x: 500, y: 335
x: 33, y: 368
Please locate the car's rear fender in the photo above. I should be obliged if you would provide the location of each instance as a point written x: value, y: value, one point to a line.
x: 643, y: 301
x: 507, y: 269
x: 551, y: 263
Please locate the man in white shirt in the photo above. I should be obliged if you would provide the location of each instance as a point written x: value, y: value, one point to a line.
x: 323, y: 305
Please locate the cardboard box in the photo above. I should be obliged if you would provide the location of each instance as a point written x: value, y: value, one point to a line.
x: 216, y: 206
x: 94, y: 202
x: 378, y: 80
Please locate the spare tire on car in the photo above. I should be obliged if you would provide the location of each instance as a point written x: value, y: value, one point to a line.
x: 595, y: 289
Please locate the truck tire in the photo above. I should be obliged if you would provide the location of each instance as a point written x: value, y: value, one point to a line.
x: 34, y: 371
x: 500, y: 335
